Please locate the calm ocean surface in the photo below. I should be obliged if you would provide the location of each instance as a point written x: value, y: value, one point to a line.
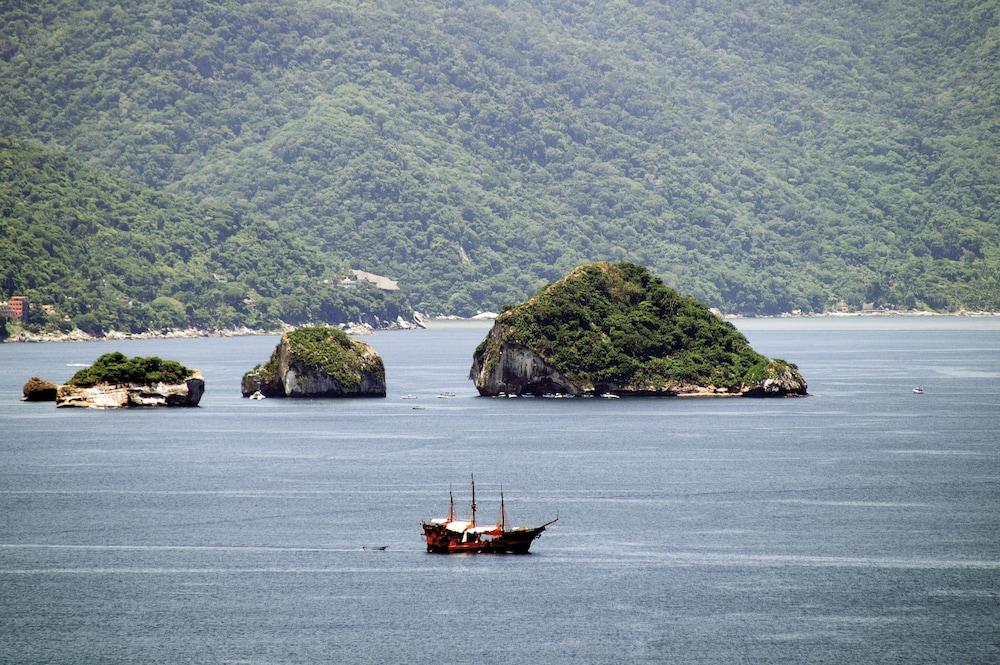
x: 860, y: 525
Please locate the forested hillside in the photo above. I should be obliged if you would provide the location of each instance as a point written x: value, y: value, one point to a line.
x: 109, y: 254
x: 762, y: 156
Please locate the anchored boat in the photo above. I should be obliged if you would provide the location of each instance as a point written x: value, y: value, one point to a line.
x: 447, y: 535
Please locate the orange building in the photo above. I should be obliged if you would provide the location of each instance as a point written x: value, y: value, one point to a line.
x: 16, y: 308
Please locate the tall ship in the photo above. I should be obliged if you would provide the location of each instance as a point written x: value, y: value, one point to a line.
x: 447, y: 535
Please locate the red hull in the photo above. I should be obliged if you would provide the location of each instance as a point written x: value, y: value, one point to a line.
x: 516, y: 541
x: 447, y: 535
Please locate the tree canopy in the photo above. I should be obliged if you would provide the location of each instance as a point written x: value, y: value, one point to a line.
x: 763, y: 156
x: 110, y: 254
x: 605, y: 323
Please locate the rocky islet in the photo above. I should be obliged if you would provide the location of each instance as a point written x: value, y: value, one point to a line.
x: 318, y: 362
x: 615, y: 328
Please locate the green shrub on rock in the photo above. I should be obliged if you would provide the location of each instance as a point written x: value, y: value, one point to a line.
x: 117, y: 368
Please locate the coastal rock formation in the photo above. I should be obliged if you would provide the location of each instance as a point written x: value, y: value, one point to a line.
x: 616, y: 329
x: 39, y: 390
x: 116, y: 381
x: 116, y: 396
x: 318, y: 362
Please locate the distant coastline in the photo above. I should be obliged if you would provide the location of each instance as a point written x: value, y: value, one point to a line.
x: 24, y: 337
x: 877, y: 313
x: 78, y: 335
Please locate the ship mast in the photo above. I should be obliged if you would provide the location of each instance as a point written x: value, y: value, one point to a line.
x: 473, y: 499
x: 503, y: 512
x: 451, y: 506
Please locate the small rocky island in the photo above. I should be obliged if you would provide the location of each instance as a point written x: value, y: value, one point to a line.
x: 615, y: 329
x: 39, y: 390
x: 318, y: 362
x: 117, y: 381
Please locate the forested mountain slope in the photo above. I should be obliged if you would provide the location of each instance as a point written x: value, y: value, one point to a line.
x: 114, y: 255
x: 762, y: 156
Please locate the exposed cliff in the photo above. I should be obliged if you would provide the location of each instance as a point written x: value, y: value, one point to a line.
x: 318, y: 362
x: 617, y: 329
x: 119, y: 395
x: 117, y: 381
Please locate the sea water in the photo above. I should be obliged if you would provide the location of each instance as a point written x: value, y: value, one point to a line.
x: 859, y: 525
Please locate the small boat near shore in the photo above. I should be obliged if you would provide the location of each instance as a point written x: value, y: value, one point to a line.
x: 447, y: 535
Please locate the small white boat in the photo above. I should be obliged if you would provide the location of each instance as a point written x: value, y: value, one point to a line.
x: 408, y: 396
x: 610, y: 396
x: 918, y: 390
x: 256, y: 395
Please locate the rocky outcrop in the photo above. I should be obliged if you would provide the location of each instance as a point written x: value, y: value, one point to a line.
x: 783, y: 381
x: 516, y: 370
x: 617, y: 329
x: 39, y: 390
x: 318, y: 362
x: 122, y: 395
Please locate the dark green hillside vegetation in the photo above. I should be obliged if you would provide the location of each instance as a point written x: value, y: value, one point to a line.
x: 619, y: 324
x: 117, y: 368
x: 763, y: 156
x: 110, y: 254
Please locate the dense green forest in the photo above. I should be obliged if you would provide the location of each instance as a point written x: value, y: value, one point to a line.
x: 761, y: 156
x: 109, y: 254
x: 616, y: 323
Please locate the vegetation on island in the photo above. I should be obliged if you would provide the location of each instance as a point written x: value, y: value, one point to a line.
x: 617, y: 323
x: 764, y: 158
x: 333, y: 352
x: 117, y: 368
x: 322, y: 348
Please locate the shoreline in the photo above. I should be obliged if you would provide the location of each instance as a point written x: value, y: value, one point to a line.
x: 360, y: 329
x: 875, y: 314
x: 77, y: 335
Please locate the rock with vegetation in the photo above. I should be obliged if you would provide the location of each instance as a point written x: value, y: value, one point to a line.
x: 318, y: 362
x: 39, y: 390
x: 117, y: 381
x: 615, y: 328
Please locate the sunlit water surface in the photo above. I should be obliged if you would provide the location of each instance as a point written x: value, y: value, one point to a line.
x: 859, y: 525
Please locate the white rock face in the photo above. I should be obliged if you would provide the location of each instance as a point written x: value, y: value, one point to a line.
x: 293, y: 378
x: 520, y: 370
x: 108, y: 396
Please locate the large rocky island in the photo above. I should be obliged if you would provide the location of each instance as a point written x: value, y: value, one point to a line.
x: 318, y: 362
x: 117, y: 381
x: 616, y: 329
